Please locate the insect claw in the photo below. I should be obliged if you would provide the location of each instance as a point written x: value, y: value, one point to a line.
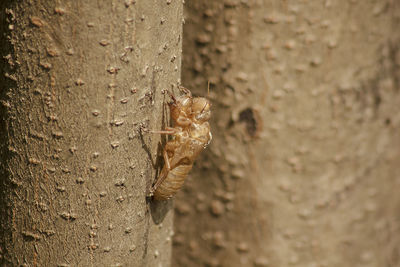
x: 164, y: 91
x: 151, y: 193
x: 143, y: 129
x: 185, y: 90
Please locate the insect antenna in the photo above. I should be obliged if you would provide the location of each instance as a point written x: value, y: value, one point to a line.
x: 208, y: 96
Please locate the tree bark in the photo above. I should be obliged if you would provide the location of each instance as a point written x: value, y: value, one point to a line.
x: 81, y: 80
x: 303, y: 169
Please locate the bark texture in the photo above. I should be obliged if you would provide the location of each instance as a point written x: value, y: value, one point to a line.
x: 80, y: 79
x: 303, y: 169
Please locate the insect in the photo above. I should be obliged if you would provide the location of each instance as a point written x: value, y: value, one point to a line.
x: 190, y: 135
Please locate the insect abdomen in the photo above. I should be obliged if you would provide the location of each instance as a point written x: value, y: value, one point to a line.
x: 174, y: 181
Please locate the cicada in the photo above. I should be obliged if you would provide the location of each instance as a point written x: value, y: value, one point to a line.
x: 190, y: 133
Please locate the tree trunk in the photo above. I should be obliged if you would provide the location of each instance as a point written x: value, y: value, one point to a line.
x: 81, y: 81
x: 303, y: 169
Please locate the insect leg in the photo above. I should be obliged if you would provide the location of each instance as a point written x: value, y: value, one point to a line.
x: 185, y: 90
x: 168, y: 130
x: 171, y: 95
x: 183, y: 121
x: 166, y: 160
x: 164, y: 173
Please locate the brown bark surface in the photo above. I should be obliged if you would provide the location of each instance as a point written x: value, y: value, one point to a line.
x: 303, y: 169
x: 79, y: 80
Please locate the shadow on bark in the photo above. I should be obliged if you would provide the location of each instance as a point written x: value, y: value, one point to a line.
x: 159, y: 209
